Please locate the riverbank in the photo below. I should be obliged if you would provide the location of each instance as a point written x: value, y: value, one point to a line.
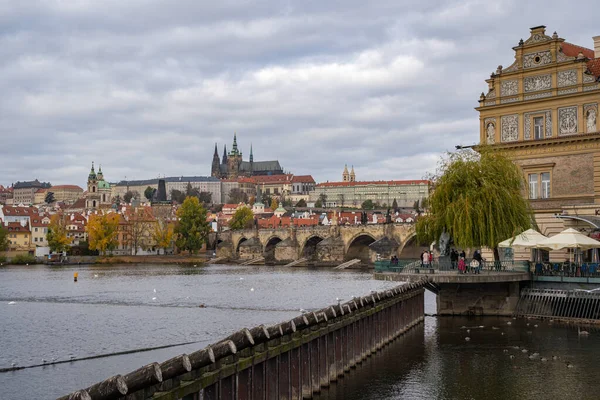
x: 171, y: 259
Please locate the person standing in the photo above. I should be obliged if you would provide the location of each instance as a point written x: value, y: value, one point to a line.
x: 426, y: 259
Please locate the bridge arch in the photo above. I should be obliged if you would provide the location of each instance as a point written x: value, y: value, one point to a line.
x: 309, y: 250
x: 358, y: 247
x: 270, y: 248
x: 410, y: 248
x: 237, y: 247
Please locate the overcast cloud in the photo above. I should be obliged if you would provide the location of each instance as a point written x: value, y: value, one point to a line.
x: 146, y: 88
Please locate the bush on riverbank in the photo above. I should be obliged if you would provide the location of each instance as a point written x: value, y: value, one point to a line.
x: 2, y: 260
x: 22, y: 259
x: 111, y: 259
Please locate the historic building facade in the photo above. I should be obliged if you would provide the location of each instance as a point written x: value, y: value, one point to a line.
x: 543, y: 112
x: 353, y: 194
x: 98, y: 190
x: 232, y: 165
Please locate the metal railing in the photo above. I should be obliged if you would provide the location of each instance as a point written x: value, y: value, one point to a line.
x: 415, y: 266
x: 568, y: 269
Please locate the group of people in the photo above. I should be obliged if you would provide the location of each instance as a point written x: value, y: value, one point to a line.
x: 426, y: 258
x: 394, y: 260
x: 459, y: 261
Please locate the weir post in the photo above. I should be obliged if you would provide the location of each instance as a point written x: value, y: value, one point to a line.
x: 293, y: 360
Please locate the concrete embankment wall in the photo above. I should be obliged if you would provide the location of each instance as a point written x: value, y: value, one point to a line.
x: 291, y: 360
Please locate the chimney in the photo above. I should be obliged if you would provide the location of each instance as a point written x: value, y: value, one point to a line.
x: 596, y: 46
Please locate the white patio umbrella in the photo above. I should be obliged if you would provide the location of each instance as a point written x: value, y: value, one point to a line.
x: 528, y: 239
x: 569, y: 238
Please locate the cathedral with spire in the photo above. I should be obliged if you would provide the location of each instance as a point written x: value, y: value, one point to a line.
x: 232, y: 165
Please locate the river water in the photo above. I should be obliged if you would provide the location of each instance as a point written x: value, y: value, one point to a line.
x: 122, y: 308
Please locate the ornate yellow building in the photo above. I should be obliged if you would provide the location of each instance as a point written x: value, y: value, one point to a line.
x: 543, y: 111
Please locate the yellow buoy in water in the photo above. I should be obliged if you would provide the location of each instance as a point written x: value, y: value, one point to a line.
x: 75, y: 277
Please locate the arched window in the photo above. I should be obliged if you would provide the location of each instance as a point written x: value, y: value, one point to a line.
x: 94, y: 204
x: 104, y: 197
x: 93, y: 189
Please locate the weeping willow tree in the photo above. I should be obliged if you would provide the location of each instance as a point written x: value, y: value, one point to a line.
x: 477, y: 198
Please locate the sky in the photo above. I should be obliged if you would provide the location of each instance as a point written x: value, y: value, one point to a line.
x: 147, y: 87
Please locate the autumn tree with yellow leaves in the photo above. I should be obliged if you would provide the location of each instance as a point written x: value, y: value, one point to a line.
x: 57, y: 234
x: 103, y: 231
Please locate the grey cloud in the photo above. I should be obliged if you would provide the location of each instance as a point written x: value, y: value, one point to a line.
x: 147, y: 87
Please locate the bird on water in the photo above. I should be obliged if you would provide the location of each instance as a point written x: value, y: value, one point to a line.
x: 582, y: 333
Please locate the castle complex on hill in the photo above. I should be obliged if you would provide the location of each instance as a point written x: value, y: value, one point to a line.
x: 232, y: 165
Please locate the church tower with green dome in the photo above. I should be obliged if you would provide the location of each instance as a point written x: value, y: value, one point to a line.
x: 98, y: 190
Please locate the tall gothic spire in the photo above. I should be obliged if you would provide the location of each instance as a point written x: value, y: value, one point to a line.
x: 224, y: 159
x: 251, y: 156
x: 352, y: 175
x: 345, y: 174
x: 216, y: 152
x: 234, y: 150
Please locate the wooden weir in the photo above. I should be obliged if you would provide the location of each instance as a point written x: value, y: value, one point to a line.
x: 556, y: 303
x: 291, y: 360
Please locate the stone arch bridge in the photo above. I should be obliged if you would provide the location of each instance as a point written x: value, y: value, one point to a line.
x: 322, y: 244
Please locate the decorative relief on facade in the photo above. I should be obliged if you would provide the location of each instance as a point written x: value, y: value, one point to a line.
x: 567, y: 91
x: 509, y: 88
x: 567, y: 120
x: 591, y: 87
x: 538, y: 96
x: 538, y: 38
x: 567, y: 78
x: 490, y: 130
x: 537, y: 59
x: 489, y: 103
x: 590, y: 112
x: 510, y: 128
x: 512, y: 68
x: 538, y: 82
x: 560, y: 57
x: 588, y: 78
x: 491, y: 94
x: 527, y: 123
x: 511, y: 100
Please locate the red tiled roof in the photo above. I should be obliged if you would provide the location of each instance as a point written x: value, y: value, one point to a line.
x: 572, y: 50
x: 365, y: 183
x: 74, y: 187
x: 594, y: 67
x: 41, y: 190
x: 231, y: 205
x: 16, y: 210
x: 17, y: 227
x: 79, y: 203
x: 303, y: 179
x: 273, y: 178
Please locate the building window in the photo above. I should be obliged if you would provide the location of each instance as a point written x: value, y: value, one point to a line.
x: 538, y: 128
x: 533, y: 186
x: 539, y: 185
x: 545, y: 176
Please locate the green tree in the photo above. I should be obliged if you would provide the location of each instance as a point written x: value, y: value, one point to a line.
x: 130, y: 195
x: 178, y: 196
x: 367, y: 205
x: 49, y: 199
x: 242, y: 219
x: 237, y: 196
x: 192, y: 228
x: 149, y: 192
x: 301, y: 203
x: 395, y: 205
x: 205, y: 197
x: 323, y: 200
x: 416, y: 207
x: 274, y: 204
x: 57, y: 234
x: 477, y: 199
x: 3, y: 238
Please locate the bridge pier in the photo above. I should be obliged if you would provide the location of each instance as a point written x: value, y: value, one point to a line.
x: 499, y: 298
